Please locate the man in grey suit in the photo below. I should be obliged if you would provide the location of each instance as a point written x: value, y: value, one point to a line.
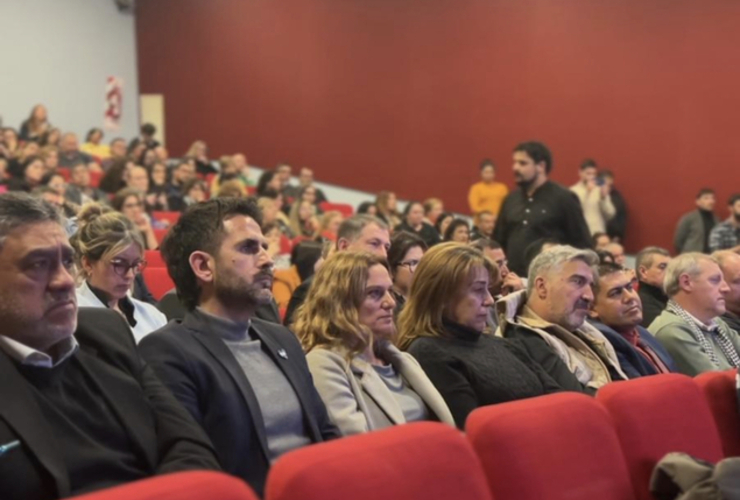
x: 692, y: 231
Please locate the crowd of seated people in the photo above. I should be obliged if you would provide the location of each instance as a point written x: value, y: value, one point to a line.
x: 368, y: 321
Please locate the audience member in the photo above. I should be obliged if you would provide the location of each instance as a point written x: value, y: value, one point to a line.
x: 271, y: 213
x: 442, y: 327
x: 433, y: 208
x: 386, y: 204
x: 595, y: 198
x: 199, y: 153
x: 118, y: 151
x: 9, y: 144
x: 223, y: 364
x: 270, y: 181
x: 18, y: 161
x: 145, y: 139
x: 691, y: 328
x: 458, y: 231
x: 617, y: 252
x: 485, y: 223
x: 36, y: 126
x: 357, y: 233
x: 231, y: 189
x: 86, y: 413
x: 305, y: 179
x: 650, y: 265
x: 537, y: 247
x: 231, y: 170
x: 69, y: 152
x: 52, y: 138
x: 32, y: 175
x: 729, y: 263
x: 539, y: 209
x: 617, y: 313
x: 183, y: 171
x: 617, y: 225
x: 693, y: 229
x: 50, y: 155
x: 601, y: 241
x: 413, y: 222
x: 93, y: 145
x: 109, y: 253
x: 726, y: 234
x: 443, y: 222
x: 549, y: 317
x: 403, y: 258
x: 508, y: 282
x: 159, y: 187
x: 114, y: 178
x: 130, y: 202
x: 368, y: 208
x: 284, y: 172
x: 303, y: 220
x: 329, y: 225
x: 487, y: 194
x: 303, y: 258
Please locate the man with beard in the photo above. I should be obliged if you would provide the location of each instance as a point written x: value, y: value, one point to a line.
x: 726, y: 235
x: 539, y: 209
x: 548, y: 318
x: 244, y: 380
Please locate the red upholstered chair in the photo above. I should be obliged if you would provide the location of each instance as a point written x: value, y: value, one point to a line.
x: 561, y: 446
x: 200, y: 485
x: 154, y: 258
x: 286, y: 246
x: 65, y: 172
x: 657, y: 415
x: 95, y: 177
x: 721, y: 393
x: 425, y: 460
x: 171, y: 217
x: 160, y: 234
x: 343, y: 208
x: 158, y: 281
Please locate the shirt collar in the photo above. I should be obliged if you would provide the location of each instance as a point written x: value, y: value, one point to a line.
x: 124, y: 304
x: 711, y: 327
x: 29, y: 356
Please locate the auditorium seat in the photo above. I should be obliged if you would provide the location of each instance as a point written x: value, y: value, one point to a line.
x: 419, y: 461
x: 199, y: 485
x: 154, y: 258
x: 720, y: 391
x: 95, y: 177
x: 657, y: 415
x: 171, y: 217
x: 343, y: 208
x: 158, y: 281
x: 160, y: 234
x: 65, y: 173
x: 556, y: 447
x: 286, y: 246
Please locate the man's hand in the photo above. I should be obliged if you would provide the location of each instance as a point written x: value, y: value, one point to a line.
x: 512, y: 283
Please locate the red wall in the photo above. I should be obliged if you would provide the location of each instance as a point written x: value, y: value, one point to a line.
x: 411, y: 94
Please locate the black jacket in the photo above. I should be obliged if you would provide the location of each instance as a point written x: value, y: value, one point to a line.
x: 157, y: 425
x: 617, y: 225
x: 297, y: 300
x: 206, y: 378
x: 172, y: 308
x: 426, y: 233
x: 654, y: 300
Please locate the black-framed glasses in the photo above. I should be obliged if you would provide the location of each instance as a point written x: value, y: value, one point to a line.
x: 410, y: 264
x: 121, y: 267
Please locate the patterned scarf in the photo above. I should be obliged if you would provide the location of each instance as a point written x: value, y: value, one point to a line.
x: 723, y: 337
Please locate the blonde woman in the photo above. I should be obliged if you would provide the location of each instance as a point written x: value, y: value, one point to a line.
x: 346, y: 326
x: 303, y: 221
x: 109, y: 253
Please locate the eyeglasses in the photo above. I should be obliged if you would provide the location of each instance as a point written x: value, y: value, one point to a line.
x: 121, y: 267
x: 411, y: 264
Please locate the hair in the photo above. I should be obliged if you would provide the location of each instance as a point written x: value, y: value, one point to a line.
x: 595, y: 238
x: 200, y: 228
x: 92, y: 131
x: 330, y: 314
x: 603, y: 270
x: 450, y: 231
x: 486, y: 162
x: 364, y: 206
x: 191, y: 149
x: 486, y: 244
x: 326, y: 218
x: 733, y: 199
x: 605, y: 257
x: 409, y: 206
x: 686, y: 263
x: 429, y: 204
x: 189, y: 185
x: 122, y: 194
x: 535, y: 248
x: 555, y: 258
x: 537, y: 151
x: 588, y: 163
x: 606, y: 173
x: 102, y: 232
x: 645, y: 256
x: 440, y: 219
x: 294, y: 217
x: 704, y: 191
x: 401, y: 243
x: 148, y: 129
x: 381, y: 202
x: 263, y: 181
x: 19, y: 209
x: 112, y: 181
x: 438, y: 279
x: 351, y: 227
x: 304, y: 256
x: 233, y: 189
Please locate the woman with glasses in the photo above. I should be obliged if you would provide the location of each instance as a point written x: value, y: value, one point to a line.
x: 109, y: 252
x: 403, y: 257
x: 346, y: 327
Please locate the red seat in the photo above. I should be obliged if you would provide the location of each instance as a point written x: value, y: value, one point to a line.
x: 251, y: 190
x: 286, y: 246
x: 95, y: 177
x: 171, y: 217
x: 64, y: 172
x: 158, y: 281
x: 720, y: 391
x: 343, y: 208
x: 154, y: 258
x: 530, y: 448
x: 179, y: 486
x: 425, y: 460
x: 160, y: 234
x: 657, y: 415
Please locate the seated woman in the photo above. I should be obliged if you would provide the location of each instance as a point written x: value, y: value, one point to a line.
x: 192, y: 192
x: 443, y: 221
x: 109, y: 254
x: 130, y: 203
x: 458, y: 231
x: 413, y: 222
x: 94, y: 145
x: 303, y: 221
x: 406, y: 251
x: 329, y: 225
x: 442, y: 327
x: 33, y: 172
x: 346, y: 326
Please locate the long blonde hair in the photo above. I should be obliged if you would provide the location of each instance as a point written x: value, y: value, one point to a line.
x: 441, y: 274
x: 330, y: 314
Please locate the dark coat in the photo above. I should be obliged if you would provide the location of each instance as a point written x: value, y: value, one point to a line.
x: 654, y: 300
x: 297, y: 300
x: 617, y: 225
x: 171, y: 307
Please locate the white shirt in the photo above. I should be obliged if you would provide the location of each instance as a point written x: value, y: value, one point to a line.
x: 29, y: 356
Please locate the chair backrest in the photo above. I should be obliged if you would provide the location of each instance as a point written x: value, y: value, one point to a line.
x: 154, y: 258
x: 171, y: 217
x: 657, y: 415
x: 343, y: 208
x: 720, y: 391
x: 95, y: 177
x: 286, y: 246
x: 425, y: 460
x: 160, y: 234
x: 561, y: 446
x: 65, y: 173
x: 158, y: 281
x: 178, y: 486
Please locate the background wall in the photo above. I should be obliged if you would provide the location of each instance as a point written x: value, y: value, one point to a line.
x: 60, y: 53
x: 411, y: 94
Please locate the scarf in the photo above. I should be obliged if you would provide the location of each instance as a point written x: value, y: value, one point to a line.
x: 723, y: 337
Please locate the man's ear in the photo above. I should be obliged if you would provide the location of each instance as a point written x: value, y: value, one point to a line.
x: 641, y: 272
x: 342, y: 244
x: 684, y: 283
x: 540, y: 287
x: 202, y: 265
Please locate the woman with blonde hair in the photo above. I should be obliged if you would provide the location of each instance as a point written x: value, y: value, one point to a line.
x: 346, y: 327
x: 303, y: 221
x: 109, y: 252
x: 386, y: 204
x: 442, y: 325
x: 329, y: 225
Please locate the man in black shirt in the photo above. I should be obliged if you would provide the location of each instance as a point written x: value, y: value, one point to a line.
x: 650, y: 266
x: 539, y: 209
x: 80, y: 411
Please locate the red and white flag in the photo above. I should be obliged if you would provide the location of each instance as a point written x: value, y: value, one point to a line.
x: 113, y: 102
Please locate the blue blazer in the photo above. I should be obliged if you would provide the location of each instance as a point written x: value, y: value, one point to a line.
x: 632, y: 362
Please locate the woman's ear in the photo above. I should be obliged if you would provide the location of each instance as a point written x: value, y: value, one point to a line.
x: 202, y: 265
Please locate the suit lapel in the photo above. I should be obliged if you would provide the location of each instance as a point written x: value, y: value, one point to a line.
x: 22, y: 413
x: 374, y: 387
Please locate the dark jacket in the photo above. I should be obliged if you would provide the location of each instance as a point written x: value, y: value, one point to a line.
x: 617, y: 225
x: 732, y: 320
x: 653, y: 300
x: 171, y: 307
x: 157, y: 425
x: 206, y: 378
x: 426, y: 233
x: 633, y: 363
x: 297, y: 300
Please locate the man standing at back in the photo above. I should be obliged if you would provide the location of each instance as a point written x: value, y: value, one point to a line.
x: 692, y: 231
x: 595, y: 199
x: 539, y: 209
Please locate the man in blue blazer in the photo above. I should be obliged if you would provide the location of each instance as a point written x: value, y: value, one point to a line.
x: 617, y: 313
x: 244, y: 380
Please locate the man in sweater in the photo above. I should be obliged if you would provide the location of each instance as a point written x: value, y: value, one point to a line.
x: 487, y: 194
x: 80, y: 411
x: 726, y: 234
x: 690, y: 328
x: 692, y: 231
x: 595, y: 198
x: 650, y: 267
x: 729, y: 263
